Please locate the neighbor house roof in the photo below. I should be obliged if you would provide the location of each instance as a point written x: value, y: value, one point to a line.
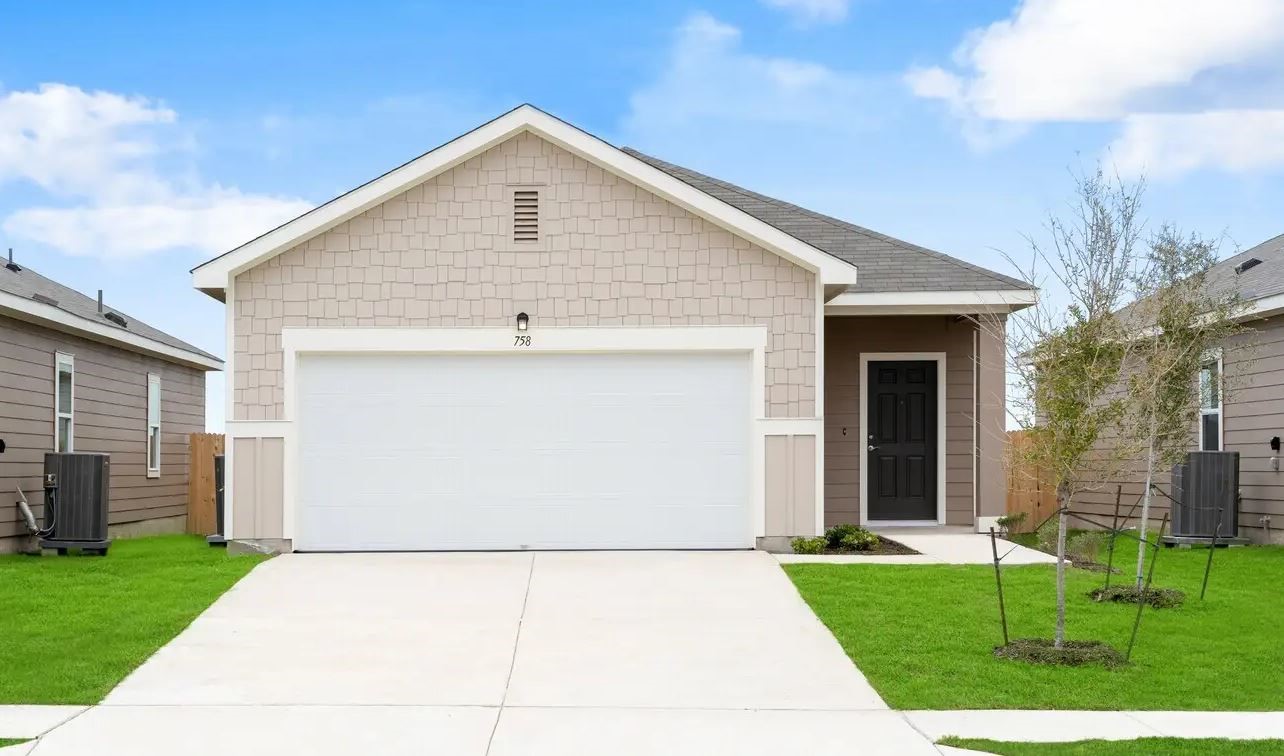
x: 886, y: 264
x: 1254, y: 281
x: 27, y: 295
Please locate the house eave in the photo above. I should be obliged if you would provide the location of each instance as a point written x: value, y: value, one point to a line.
x: 54, y: 318
x: 931, y: 302
x: 214, y: 275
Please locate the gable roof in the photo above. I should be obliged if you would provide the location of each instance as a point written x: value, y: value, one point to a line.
x: 886, y: 264
x: 27, y: 295
x: 214, y: 275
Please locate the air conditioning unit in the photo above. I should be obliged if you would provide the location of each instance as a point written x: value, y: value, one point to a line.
x: 77, y: 491
x: 1205, y: 491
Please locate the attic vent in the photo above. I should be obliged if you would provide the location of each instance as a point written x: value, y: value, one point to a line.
x: 1251, y: 262
x: 117, y: 319
x: 42, y: 299
x: 526, y: 215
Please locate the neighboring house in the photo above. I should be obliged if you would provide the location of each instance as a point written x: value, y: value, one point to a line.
x: 529, y: 338
x: 76, y: 375
x: 1241, y: 396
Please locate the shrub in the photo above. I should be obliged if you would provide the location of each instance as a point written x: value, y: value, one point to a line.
x: 834, y: 536
x: 808, y: 545
x: 1046, y: 536
x: 1086, y: 546
x: 859, y: 540
x: 1011, y: 522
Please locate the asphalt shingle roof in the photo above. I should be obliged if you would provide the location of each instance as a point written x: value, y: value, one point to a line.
x: 1259, y: 281
x: 884, y: 263
x: 29, y: 284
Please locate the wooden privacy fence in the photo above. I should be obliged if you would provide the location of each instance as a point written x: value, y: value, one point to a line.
x: 201, y: 516
x: 1028, y: 489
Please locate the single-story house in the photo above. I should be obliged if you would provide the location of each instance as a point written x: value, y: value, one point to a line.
x: 77, y: 375
x: 1241, y: 400
x: 531, y: 338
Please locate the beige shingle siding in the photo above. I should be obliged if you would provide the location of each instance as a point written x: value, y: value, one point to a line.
x: 441, y: 256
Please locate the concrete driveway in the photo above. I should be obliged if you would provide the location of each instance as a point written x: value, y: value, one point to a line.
x: 513, y: 653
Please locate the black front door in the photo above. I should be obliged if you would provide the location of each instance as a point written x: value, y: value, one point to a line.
x: 902, y: 440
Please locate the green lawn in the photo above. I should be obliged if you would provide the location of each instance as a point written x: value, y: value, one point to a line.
x: 1165, y: 746
x: 4, y: 742
x: 923, y: 634
x: 72, y: 627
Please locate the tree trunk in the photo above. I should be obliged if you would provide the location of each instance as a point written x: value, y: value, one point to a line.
x: 1145, y: 506
x: 1063, y: 503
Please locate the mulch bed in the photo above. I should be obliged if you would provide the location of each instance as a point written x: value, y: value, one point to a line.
x: 886, y: 546
x: 1159, y: 598
x: 1071, y: 653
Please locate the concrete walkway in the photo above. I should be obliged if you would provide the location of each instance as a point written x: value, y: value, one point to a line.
x: 1066, y: 726
x: 935, y: 546
x: 518, y: 653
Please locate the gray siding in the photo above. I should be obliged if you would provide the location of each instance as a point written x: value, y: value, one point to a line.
x: 845, y: 339
x: 1252, y: 412
x: 110, y: 416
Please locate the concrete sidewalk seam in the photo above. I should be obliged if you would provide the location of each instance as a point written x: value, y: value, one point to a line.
x: 1133, y: 716
x: 512, y: 664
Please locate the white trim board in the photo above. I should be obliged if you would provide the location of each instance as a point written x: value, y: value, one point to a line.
x: 931, y: 302
x: 748, y: 339
x: 939, y: 359
x: 215, y: 274
x: 58, y: 319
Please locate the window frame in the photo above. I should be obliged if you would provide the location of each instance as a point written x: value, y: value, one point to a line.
x: 1213, y: 358
x: 153, y: 381
x: 68, y: 361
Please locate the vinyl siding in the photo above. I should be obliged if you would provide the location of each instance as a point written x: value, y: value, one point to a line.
x: 110, y: 406
x: 1252, y: 412
x: 845, y: 339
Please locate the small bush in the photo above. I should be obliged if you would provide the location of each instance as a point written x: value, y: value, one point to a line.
x: 834, y: 535
x: 808, y: 545
x: 859, y: 540
x: 1086, y: 546
x: 1159, y: 598
x: 1071, y: 653
x: 1046, y: 536
x: 1010, y: 523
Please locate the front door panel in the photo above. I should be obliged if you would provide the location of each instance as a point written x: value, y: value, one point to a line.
x: 901, y: 457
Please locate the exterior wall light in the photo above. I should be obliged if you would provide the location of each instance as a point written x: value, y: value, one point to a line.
x: 523, y: 320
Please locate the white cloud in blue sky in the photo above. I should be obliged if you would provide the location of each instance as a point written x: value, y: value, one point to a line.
x: 1138, y: 63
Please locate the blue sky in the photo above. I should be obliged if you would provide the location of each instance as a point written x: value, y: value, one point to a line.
x: 138, y: 139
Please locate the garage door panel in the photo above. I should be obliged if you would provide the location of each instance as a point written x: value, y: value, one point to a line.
x: 523, y: 451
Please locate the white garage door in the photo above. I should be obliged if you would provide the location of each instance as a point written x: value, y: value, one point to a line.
x: 539, y: 451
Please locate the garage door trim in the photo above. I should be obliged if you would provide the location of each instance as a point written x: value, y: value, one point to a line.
x: 743, y: 339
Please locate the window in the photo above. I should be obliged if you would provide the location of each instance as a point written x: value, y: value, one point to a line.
x: 1210, y: 404
x: 64, y: 421
x: 153, y: 425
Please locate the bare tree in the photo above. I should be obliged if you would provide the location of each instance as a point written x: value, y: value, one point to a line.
x: 1066, y: 354
x: 1176, y: 321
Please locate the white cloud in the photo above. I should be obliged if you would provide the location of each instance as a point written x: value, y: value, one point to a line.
x: 1164, y: 69
x: 1067, y: 60
x: 99, y: 157
x: 813, y: 11
x: 1163, y: 145
x: 709, y: 79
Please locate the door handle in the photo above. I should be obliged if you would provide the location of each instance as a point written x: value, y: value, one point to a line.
x: 872, y: 447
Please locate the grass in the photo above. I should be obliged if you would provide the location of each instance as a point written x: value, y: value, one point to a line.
x: 73, y: 627
x: 924, y: 634
x: 1172, y: 746
x: 6, y: 742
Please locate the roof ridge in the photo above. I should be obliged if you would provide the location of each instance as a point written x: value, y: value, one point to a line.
x: 831, y: 220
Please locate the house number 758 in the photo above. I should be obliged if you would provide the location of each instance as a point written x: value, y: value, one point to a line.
x: 522, y: 340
